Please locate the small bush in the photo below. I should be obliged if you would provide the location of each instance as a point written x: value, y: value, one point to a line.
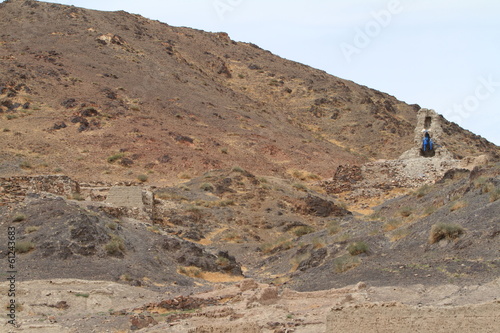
x: 422, y: 191
x: 406, y: 211
x: 318, y: 243
x: 191, y: 271
x: 125, y: 277
x: 31, y: 229
x: 357, y: 248
x: 303, y: 230
x: 225, y: 203
x: 115, y: 245
x: 207, y: 187
x: 142, y: 178
x: 399, y: 234
x: 392, y: 225
x: 184, y: 176
x: 78, y: 197
x: 115, y: 157
x: 25, y: 165
x: 280, y: 244
x: 84, y: 295
x: 445, y: 231
x: 344, y: 263
x: 112, y: 225
x: 24, y: 246
x: 238, y: 169
x: 224, y: 150
x: 430, y: 210
x: 495, y: 195
x: 333, y: 227
x: 19, y: 218
x: 300, y: 187
x: 222, y: 261
x: 458, y: 205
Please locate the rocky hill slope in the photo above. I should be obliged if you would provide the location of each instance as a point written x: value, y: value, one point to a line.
x: 111, y: 95
x: 162, y: 176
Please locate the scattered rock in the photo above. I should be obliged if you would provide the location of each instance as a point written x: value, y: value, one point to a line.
x: 248, y: 284
x: 138, y: 322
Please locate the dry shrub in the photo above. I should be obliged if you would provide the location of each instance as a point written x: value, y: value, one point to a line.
x: 458, y: 205
x: 445, y: 231
x: 344, y: 263
x: 357, y: 248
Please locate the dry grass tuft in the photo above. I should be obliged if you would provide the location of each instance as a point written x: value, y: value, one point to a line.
x: 445, y: 231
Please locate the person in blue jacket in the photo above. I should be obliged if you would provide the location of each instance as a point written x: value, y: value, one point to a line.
x: 427, y: 144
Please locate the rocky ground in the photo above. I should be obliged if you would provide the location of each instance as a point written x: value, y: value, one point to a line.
x: 97, y: 306
x: 303, y: 250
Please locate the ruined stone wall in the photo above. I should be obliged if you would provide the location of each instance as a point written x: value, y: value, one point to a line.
x: 428, y: 120
x: 14, y: 189
x: 123, y: 199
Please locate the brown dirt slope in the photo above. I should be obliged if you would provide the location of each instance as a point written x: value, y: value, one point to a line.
x: 79, y: 86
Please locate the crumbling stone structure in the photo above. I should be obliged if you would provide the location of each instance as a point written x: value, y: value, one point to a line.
x: 428, y: 120
x: 120, y: 200
x: 14, y: 189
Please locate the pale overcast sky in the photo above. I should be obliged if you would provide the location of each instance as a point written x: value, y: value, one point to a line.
x: 440, y: 54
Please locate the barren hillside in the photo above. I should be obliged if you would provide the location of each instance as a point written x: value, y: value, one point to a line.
x: 111, y: 95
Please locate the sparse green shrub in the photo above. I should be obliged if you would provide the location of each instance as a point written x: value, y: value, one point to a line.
x: 115, y: 246
x: 224, y: 150
x: 222, y: 261
x: 142, y: 178
x: 445, y: 231
x: 232, y: 236
x: 115, y: 157
x: 495, y: 195
x: 125, y: 277
x: 25, y: 165
x: 31, y: 229
x: 344, y: 263
x: 302, y: 230
x: 184, y: 176
x: 357, y: 248
x: 458, y: 205
x: 207, y: 187
x: 191, y: 271
x: 399, y: 234
x: 422, y: 191
x: 84, y: 295
x: 406, y: 211
x: 430, y: 210
x: 318, y: 243
x: 300, y: 187
x: 392, y: 224
x: 480, y: 182
x: 238, y: 169
x: 225, y: 203
x: 112, y: 225
x: 333, y: 227
x: 280, y: 244
x: 19, y: 217
x: 24, y: 246
x: 77, y: 196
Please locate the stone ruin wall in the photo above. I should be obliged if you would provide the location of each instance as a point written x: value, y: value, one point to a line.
x: 429, y: 120
x: 119, y: 200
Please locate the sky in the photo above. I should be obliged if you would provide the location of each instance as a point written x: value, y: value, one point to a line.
x: 440, y: 54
